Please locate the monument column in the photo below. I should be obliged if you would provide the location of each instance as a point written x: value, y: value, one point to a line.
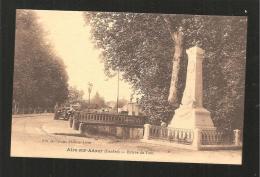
x: 191, y: 114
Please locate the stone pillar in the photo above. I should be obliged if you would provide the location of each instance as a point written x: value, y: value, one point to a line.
x: 81, y: 128
x: 192, y: 95
x: 130, y: 108
x: 70, y: 122
x: 146, y: 131
x: 137, y: 110
x: 191, y: 114
x: 237, y: 138
x: 75, y: 124
x: 196, y: 139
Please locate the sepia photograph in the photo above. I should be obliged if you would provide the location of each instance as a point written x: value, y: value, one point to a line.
x: 129, y: 86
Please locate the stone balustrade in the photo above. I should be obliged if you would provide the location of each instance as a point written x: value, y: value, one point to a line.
x: 158, y: 132
x: 121, y: 126
x: 196, y: 138
x: 212, y: 137
x: 109, y: 119
x: 182, y: 136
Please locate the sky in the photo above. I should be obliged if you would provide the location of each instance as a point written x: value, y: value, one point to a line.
x: 70, y: 37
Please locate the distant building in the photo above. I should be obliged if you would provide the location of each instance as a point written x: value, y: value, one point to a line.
x: 123, y: 109
x: 111, y: 104
x: 134, y: 109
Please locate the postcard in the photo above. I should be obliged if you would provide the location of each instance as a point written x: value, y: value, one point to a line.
x: 129, y: 86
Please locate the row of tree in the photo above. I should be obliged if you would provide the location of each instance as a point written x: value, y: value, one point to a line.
x: 40, y: 78
x: 149, y: 49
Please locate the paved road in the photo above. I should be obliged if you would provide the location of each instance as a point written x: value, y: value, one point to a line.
x: 41, y: 136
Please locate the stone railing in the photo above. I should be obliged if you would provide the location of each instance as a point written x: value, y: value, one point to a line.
x: 215, y: 137
x: 211, y: 137
x: 182, y: 136
x: 121, y: 126
x: 109, y: 119
x: 194, y: 138
x: 158, y: 132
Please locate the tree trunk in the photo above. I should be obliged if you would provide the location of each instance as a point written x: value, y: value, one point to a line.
x: 178, y: 50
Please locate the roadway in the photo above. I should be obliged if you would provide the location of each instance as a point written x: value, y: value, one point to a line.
x: 41, y: 136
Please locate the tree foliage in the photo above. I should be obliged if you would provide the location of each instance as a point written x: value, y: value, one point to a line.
x: 122, y: 102
x: 98, y: 100
x: 75, y: 95
x: 40, y: 79
x: 141, y: 46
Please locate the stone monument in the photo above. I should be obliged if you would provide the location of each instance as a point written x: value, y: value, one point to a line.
x: 191, y: 114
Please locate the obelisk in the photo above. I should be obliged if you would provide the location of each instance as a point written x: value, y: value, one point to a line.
x: 191, y: 114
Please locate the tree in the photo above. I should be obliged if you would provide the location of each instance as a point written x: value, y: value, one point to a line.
x: 98, y: 101
x: 121, y: 103
x: 149, y: 49
x: 75, y: 95
x: 40, y: 78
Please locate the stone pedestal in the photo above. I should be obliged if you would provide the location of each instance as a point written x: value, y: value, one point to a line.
x: 191, y: 114
x: 191, y: 118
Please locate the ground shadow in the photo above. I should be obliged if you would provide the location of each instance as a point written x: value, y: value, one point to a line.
x: 70, y: 134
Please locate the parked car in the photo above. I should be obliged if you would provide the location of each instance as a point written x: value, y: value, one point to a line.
x: 64, y: 113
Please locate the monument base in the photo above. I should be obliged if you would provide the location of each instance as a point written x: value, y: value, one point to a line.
x: 191, y: 118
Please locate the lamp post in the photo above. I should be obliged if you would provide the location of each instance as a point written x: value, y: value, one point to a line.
x: 90, y: 85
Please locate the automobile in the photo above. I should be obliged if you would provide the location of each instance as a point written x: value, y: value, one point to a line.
x: 64, y: 113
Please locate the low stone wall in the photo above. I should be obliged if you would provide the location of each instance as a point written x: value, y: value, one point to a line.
x: 107, y: 130
x: 117, y: 131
